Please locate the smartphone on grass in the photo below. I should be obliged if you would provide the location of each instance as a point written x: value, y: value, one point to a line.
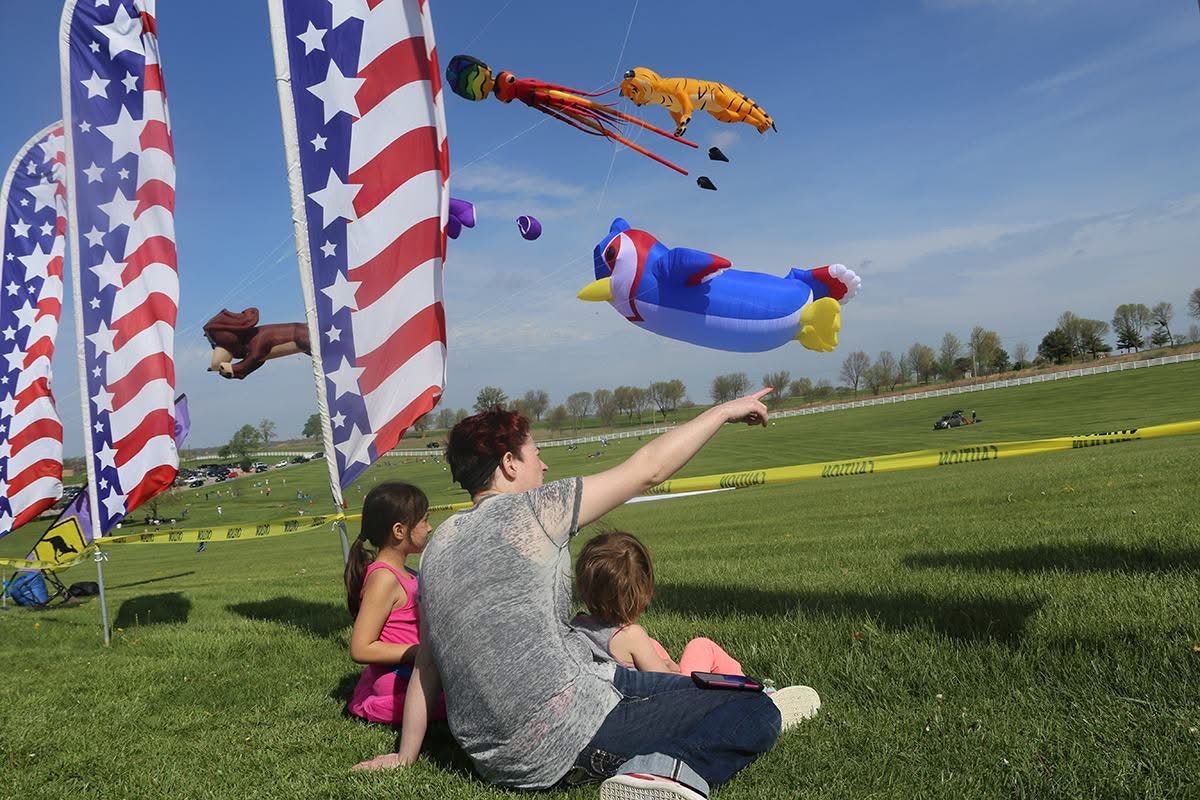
x: 715, y: 680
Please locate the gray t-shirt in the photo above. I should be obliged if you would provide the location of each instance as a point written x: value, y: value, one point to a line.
x: 523, y: 693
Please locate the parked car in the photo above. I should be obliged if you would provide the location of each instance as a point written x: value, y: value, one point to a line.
x: 299, y: 459
x: 283, y: 463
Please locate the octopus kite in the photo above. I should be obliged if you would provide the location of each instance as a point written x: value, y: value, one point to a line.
x: 472, y: 79
x: 682, y: 96
x: 696, y: 297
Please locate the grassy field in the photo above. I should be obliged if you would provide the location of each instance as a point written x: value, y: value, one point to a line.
x: 1026, y: 628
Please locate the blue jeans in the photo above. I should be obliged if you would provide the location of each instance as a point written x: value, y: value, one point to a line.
x: 715, y: 732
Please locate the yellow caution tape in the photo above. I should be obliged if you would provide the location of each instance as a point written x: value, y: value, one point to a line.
x: 919, y: 459
x: 869, y: 465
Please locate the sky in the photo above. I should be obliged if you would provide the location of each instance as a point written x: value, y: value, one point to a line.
x: 977, y: 162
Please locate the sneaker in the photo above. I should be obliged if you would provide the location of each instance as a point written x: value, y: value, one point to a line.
x: 638, y: 786
x: 795, y: 704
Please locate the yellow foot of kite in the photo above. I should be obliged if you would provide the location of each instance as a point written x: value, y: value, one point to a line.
x: 820, y: 322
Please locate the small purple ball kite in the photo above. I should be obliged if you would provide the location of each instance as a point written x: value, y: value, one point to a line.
x: 462, y: 215
x: 529, y: 226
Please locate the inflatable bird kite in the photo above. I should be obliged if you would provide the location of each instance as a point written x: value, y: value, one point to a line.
x: 696, y: 297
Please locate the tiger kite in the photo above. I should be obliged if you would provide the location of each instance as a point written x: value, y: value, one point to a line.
x: 682, y: 96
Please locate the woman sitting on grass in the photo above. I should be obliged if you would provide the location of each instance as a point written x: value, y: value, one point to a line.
x: 382, y: 596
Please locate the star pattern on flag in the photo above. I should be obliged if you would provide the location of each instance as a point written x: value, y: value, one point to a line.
x: 313, y: 38
x: 341, y: 293
x: 119, y: 210
x: 124, y: 33
x: 109, y: 271
x: 96, y: 86
x: 102, y: 339
x: 336, y: 199
x: 345, y: 379
x: 337, y: 92
x: 125, y: 134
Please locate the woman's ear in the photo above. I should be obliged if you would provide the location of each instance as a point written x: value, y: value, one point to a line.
x: 507, y: 468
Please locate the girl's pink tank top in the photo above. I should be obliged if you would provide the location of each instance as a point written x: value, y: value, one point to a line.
x: 403, y: 624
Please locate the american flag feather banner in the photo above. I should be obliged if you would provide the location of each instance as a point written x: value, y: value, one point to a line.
x: 33, y: 199
x: 121, y: 197
x: 365, y: 139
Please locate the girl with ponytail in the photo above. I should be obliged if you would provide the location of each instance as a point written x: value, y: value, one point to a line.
x: 381, y: 592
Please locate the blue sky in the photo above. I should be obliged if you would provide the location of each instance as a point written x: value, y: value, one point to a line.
x: 989, y: 162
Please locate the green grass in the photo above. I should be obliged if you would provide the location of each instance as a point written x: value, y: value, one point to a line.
x: 1002, y: 629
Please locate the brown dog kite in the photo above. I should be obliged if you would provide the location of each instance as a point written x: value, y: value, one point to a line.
x: 240, y: 336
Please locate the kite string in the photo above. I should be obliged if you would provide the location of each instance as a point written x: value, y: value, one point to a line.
x: 487, y: 25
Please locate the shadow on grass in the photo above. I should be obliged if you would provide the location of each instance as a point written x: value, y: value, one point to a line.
x: 1081, y: 557
x: 970, y: 620
x: 154, y: 609
x: 151, y: 580
x: 320, y: 619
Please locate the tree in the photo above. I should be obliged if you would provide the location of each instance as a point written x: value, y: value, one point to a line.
x: 854, y: 368
x: 445, y: 418
x: 1162, y: 314
x: 536, y: 401
x: 888, y: 371
x: 923, y: 360
x: 999, y: 360
x: 243, y: 442
x: 1055, y: 346
x: 948, y: 353
x: 641, y: 401
x: 579, y: 405
x: 780, y: 381
x: 1021, y: 354
x: 1160, y: 338
x: 728, y: 387
x: 312, y: 428
x: 666, y: 395
x: 983, y: 344
x: 627, y: 400
x: 800, y: 388
x: 559, y: 417
x: 460, y: 415
x: 1194, y: 304
x: 490, y: 397
x: 1091, y: 337
x: 904, y: 370
x: 1194, y: 333
x: 1129, y: 322
x: 420, y: 425
x: 875, y: 377
x: 823, y: 390
x: 266, y: 429
x: 606, y: 407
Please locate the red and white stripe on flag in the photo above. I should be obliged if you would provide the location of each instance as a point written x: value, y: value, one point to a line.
x: 32, y: 197
x: 121, y: 195
x: 361, y: 101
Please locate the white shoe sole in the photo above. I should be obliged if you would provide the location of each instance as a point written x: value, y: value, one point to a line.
x: 650, y: 787
x: 795, y: 704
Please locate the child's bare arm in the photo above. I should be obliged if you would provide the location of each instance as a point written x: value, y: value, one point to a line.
x: 381, y: 594
x: 632, y: 643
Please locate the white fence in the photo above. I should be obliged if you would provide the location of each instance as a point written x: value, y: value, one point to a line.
x: 874, y: 401
x: 1001, y: 384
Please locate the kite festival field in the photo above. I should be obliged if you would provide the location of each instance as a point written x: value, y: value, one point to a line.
x: 1024, y: 628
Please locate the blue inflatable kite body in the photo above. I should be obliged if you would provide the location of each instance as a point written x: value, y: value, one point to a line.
x: 696, y: 297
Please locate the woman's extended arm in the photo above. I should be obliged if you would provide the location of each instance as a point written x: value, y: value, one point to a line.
x: 663, y: 457
x: 423, y: 690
